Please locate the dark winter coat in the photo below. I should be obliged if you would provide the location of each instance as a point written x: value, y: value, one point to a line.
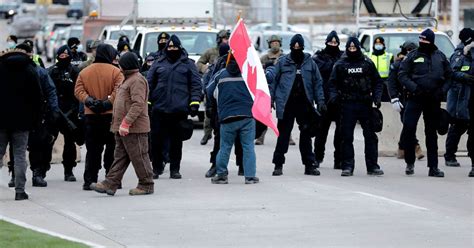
x: 285, y: 75
x: 20, y: 92
x: 459, y: 94
x: 174, y: 85
x: 325, y: 62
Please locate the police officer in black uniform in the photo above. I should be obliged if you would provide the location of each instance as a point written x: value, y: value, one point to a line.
x: 64, y: 76
x: 325, y: 59
x: 356, y: 84
x: 426, y: 74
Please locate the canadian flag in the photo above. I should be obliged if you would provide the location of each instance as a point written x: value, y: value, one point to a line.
x: 253, y: 75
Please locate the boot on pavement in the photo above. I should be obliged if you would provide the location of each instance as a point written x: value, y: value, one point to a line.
x: 68, y: 175
x: 471, y: 173
x: 138, y: 191
x: 21, y: 196
x: 261, y: 140
x: 102, y: 188
x: 38, y: 180
x: 278, y: 171
x: 435, y: 172
x: 211, y: 172
x: 410, y: 169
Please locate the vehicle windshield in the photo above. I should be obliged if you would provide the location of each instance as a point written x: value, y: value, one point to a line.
x: 285, y: 44
x: 60, y: 25
x: 76, y: 33
x: 394, y: 41
x: 195, y: 43
x: 115, y: 35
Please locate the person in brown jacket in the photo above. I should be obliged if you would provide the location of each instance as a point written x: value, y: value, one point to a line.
x: 95, y: 87
x: 130, y: 125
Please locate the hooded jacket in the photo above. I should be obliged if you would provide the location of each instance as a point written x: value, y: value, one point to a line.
x: 21, y: 96
x: 100, y: 79
x: 174, y: 85
x: 325, y: 62
x: 284, y: 77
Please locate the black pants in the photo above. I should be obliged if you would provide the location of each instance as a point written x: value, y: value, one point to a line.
x: 401, y: 142
x: 333, y: 114
x: 217, y: 143
x: 40, y: 147
x: 431, y: 112
x: 301, y: 113
x: 456, y: 130
x: 351, y: 112
x: 164, y: 129
x: 98, y: 135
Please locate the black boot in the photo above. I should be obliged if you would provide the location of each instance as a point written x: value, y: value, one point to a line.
x: 410, y: 169
x: 278, y: 171
x: 212, y: 171
x: 38, y: 180
x: 471, y: 173
x: 21, y: 196
x: 68, y: 175
x: 175, y: 175
x: 311, y: 170
x: 337, y: 165
x: 435, y: 172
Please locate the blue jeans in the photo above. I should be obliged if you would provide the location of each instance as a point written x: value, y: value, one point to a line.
x: 245, y: 129
x: 18, y: 141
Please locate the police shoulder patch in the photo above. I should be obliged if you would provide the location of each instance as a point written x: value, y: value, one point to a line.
x: 465, y: 68
x: 419, y: 60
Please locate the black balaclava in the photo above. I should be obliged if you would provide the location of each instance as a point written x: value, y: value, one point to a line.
x: 129, y: 61
x: 162, y: 35
x: 333, y: 50
x: 232, y: 67
x: 466, y: 36
x: 122, y: 42
x: 105, y: 54
x: 381, y: 50
x: 174, y: 55
x: 223, y: 49
x: 407, y: 47
x: 297, y: 55
x: 428, y: 35
x: 353, y: 55
x: 64, y: 62
x: 73, y: 42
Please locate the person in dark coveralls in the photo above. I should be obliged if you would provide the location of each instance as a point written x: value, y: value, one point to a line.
x: 296, y: 88
x: 355, y: 84
x: 175, y: 91
x: 426, y: 74
x: 325, y: 59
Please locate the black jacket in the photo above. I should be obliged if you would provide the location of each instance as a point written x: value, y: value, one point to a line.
x: 427, y: 75
x: 174, y: 85
x: 355, y: 81
x: 460, y: 91
x: 20, y: 93
x: 395, y: 88
x: 65, y: 81
x: 325, y: 63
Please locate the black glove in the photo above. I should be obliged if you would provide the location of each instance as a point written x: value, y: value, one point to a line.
x: 378, y: 104
x: 89, y: 101
x: 107, y: 105
x: 53, y: 117
x: 193, y: 109
x: 322, y: 108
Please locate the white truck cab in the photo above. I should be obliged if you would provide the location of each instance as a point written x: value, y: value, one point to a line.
x: 395, y: 37
x: 111, y: 33
x: 196, y: 40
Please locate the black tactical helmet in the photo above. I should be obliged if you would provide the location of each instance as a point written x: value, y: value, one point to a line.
x: 221, y: 35
x: 274, y: 38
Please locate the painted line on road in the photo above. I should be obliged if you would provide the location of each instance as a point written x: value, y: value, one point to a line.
x: 90, y: 224
x: 391, y: 200
x: 51, y: 233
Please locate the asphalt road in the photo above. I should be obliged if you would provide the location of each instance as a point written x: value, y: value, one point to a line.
x: 293, y: 210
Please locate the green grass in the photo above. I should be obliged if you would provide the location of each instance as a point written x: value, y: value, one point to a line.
x: 15, y: 236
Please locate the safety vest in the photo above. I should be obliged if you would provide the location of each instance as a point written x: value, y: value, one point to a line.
x: 36, y: 58
x: 382, y: 63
